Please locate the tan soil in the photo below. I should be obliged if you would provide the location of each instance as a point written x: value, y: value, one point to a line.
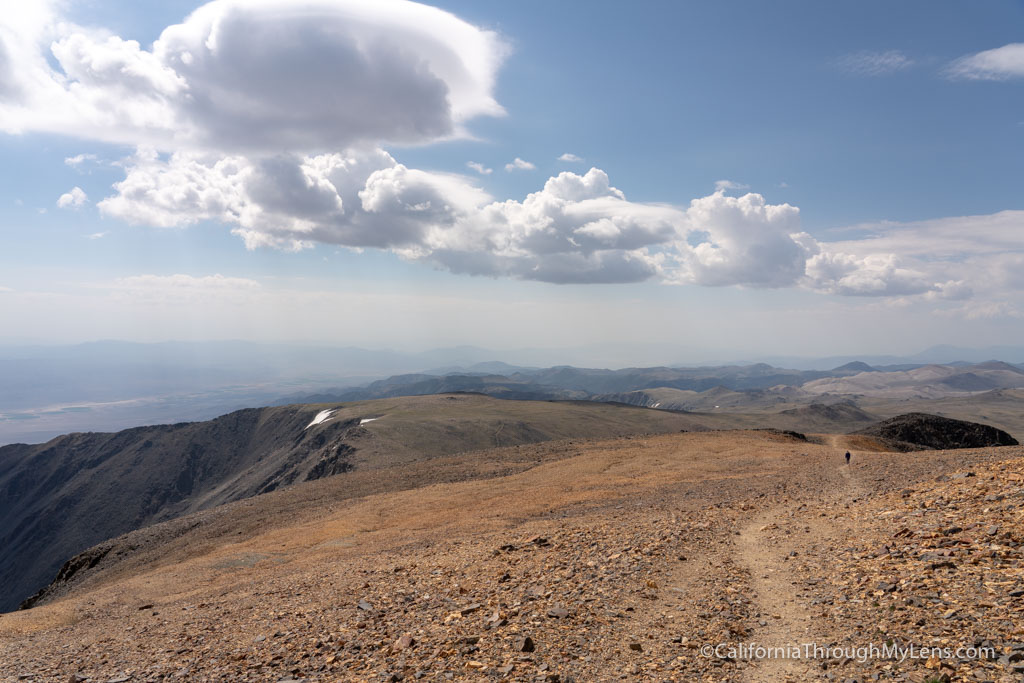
x: 617, y: 558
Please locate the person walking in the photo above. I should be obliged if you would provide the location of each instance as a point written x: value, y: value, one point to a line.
x: 847, y: 457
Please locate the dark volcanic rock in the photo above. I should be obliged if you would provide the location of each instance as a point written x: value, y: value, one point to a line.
x: 921, y: 431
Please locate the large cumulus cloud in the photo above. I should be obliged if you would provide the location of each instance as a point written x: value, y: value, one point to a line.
x: 743, y: 240
x: 255, y: 76
x: 272, y: 117
x: 575, y: 229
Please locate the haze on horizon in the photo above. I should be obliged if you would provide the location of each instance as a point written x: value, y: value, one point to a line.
x: 732, y: 180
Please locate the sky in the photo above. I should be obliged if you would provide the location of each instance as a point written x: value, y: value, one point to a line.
x: 797, y: 178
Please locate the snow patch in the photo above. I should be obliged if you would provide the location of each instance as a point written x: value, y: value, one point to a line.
x: 321, y: 417
x: 368, y: 419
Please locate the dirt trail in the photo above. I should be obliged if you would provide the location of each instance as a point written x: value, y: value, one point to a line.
x: 766, y: 545
x: 785, y: 620
x: 854, y: 489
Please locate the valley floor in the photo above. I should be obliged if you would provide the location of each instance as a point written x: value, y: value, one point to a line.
x: 623, y: 559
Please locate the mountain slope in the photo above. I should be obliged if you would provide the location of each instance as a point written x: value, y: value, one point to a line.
x: 589, y: 561
x: 65, y: 495
x: 58, y: 498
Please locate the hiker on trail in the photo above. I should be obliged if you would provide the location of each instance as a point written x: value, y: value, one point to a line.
x: 847, y: 457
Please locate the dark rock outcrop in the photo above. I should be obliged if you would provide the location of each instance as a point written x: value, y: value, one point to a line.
x: 922, y: 431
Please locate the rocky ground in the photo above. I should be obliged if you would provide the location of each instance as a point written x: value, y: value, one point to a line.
x: 624, y: 559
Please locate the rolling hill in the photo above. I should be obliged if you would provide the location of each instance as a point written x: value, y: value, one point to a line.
x: 58, y: 498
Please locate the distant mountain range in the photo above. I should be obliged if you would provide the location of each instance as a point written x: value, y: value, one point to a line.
x: 110, y: 385
x: 62, y: 496
x: 704, y: 388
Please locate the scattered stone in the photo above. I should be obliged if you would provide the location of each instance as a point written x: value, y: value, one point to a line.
x: 525, y: 644
x: 469, y: 609
x: 945, y: 564
x: 916, y: 566
x: 404, y: 642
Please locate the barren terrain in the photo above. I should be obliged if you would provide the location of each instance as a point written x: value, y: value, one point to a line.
x: 572, y: 560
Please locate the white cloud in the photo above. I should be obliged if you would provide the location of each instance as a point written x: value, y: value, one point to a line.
x: 570, y: 158
x: 722, y: 185
x: 96, y: 236
x: 518, y: 164
x: 944, y: 259
x: 265, y: 76
x: 991, y: 65
x: 179, y: 288
x: 73, y: 198
x: 953, y: 290
x: 871, y: 275
x: 269, y: 116
x: 79, y: 159
x: 871, y: 63
x: 358, y: 198
x: 577, y: 228
x: 987, y: 310
x: 742, y: 240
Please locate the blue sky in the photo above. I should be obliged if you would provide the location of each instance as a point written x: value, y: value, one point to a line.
x: 793, y: 177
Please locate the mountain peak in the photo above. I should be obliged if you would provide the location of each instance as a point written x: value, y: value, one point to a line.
x: 855, y: 366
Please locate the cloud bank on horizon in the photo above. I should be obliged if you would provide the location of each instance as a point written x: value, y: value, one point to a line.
x: 279, y: 119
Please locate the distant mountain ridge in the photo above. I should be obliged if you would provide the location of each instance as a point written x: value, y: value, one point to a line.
x: 928, y: 381
x: 111, y: 385
x: 760, y: 384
